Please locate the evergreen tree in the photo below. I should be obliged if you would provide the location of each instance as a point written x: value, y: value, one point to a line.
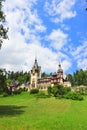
x: 2, y: 80
x: 3, y: 30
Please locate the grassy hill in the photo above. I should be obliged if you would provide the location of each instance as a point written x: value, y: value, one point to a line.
x: 26, y: 112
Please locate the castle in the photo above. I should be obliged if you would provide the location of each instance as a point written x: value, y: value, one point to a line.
x: 37, y: 81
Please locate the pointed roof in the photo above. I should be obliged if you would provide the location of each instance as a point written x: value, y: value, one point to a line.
x: 35, y: 64
x: 59, y: 68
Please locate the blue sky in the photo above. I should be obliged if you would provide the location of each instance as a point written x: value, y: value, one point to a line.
x: 53, y: 31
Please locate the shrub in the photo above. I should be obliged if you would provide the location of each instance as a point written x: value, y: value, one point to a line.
x: 1, y: 90
x: 17, y: 91
x: 5, y: 94
x: 58, y: 90
x: 66, y: 89
x: 83, y: 91
x: 34, y: 91
x: 73, y: 96
x: 7, y: 91
x: 49, y: 90
x: 55, y: 91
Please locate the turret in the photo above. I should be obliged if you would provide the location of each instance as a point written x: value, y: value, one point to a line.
x: 35, y: 74
x: 60, y: 73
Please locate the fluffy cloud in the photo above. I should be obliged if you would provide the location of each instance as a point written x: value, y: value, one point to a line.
x: 22, y: 16
x: 58, y: 39
x: 80, y: 54
x: 18, y: 53
x: 22, y: 56
x: 60, y: 10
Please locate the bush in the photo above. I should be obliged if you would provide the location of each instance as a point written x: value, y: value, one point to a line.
x: 58, y: 90
x: 49, y: 90
x: 34, y: 91
x: 17, y: 91
x: 1, y: 90
x: 73, y: 96
x: 66, y: 89
x: 7, y: 91
x: 55, y: 91
x: 5, y: 94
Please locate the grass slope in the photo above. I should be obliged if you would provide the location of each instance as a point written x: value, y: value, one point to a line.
x: 25, y: 112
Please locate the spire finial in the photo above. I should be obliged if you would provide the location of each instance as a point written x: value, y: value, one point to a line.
x: 59, y: 64
x: 35, y: 56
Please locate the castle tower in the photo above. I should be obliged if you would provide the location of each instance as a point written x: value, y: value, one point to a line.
x: 60, y: 74
x: 35, y: 74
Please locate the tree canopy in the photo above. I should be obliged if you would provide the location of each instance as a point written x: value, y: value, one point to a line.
x: 78, y: 78
x: 3, y: 29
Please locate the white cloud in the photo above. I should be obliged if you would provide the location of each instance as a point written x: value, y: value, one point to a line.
x: 60, y: 10
x: 24, y: 42
x: 22, y: 15
x: 21, y: 57
x: 80, y: 54
x: 58, y: 39
x: 66, y: 64
x: 24, y: 25
x: 82, y: 63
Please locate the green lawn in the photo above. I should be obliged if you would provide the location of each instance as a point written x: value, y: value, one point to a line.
x: 26, y: 112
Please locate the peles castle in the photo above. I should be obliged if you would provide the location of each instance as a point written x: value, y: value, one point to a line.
x: 36, y: 81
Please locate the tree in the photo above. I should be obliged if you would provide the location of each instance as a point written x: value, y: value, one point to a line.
x: 80, y: 77
x: 70, y: 78
x: 3, y: 30
x: 2, y: 80
x: 44, y: 75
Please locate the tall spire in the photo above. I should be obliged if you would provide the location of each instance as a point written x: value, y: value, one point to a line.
x: 59, y: 65
x: 35, y: 63
x: 59, y: 68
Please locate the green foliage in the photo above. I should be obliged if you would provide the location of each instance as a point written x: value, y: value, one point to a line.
x: 64, y: 92
x: 83, y: 90
x: 3, y: 30
x: 55, y: 90
x: 71, y: 79
x: 44, y: 75
x: 49, y: 90
x: 17, y: 91
x: 19, y: 76
x: 34, y: 91
x: 58, y: 90
x: 7, y: 92
x: 73, y: 96
x: 6, y: 77
x: 1, y: 90
x: 8, y: 81
x: 78, y: 78
x: 2, y: 80
x: 42, y: 94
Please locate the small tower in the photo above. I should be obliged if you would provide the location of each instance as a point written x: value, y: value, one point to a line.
x: 60, y: 74
x: 35, y: 74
